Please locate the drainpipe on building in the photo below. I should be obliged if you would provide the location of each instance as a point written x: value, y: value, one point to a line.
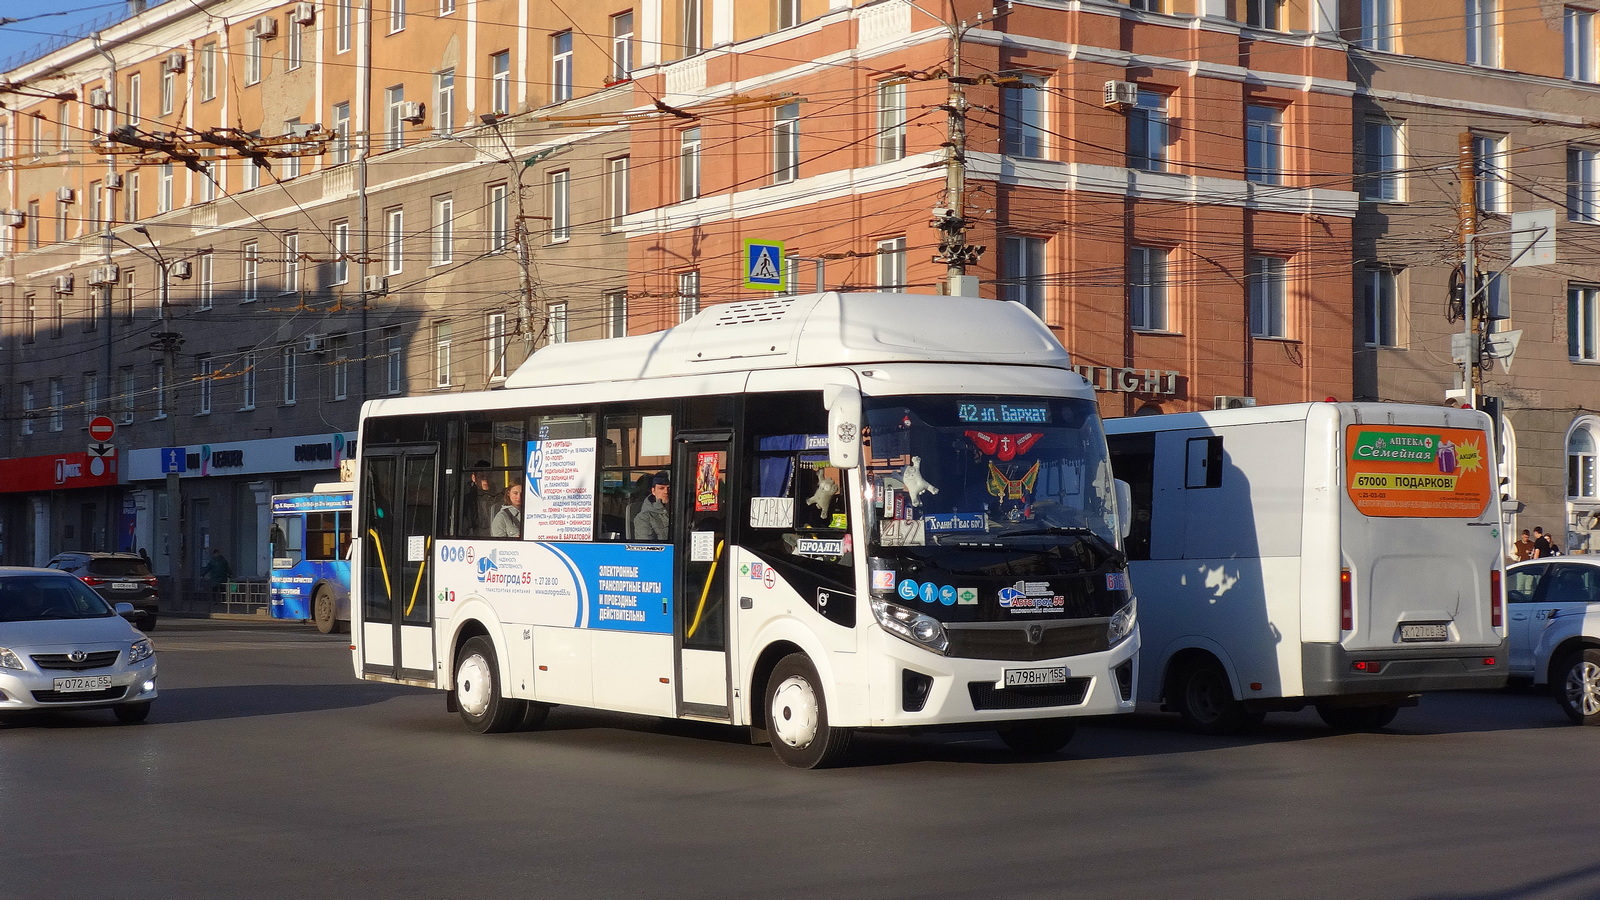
x: 105, y: 290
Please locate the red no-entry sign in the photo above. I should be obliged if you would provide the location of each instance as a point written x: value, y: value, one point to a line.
x: 101, y: 428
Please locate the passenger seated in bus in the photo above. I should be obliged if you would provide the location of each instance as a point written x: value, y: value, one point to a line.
x: 651, y: 521
x: 508, y: 521
x: 479, y: 505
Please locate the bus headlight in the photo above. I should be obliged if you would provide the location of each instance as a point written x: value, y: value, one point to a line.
x: 911, y: 625
x: 1122, y: 623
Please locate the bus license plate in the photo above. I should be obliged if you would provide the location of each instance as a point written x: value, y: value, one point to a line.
x: 85, y: 683
x: 1424, y: 632
x: 1025, y: 677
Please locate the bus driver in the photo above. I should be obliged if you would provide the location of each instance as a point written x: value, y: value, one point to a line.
x: 650, y: 522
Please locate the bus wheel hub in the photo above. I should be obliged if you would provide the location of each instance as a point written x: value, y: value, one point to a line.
x: 794, y: 712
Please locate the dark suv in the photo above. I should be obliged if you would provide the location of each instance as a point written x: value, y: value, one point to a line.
x: 118, y: 577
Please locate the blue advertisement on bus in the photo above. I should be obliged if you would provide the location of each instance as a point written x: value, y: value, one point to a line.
x: 309, y: 539
x: 615, y: 587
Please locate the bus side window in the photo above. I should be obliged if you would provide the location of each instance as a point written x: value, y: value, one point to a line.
x: 636, y: 446
x: 1203, y: 467
x: 1133, y: 460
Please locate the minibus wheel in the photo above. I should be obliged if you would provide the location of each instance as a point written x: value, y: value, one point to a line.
x: 1357, y: 718
x: 484, y: 707
x: 797, y: 716
x: 1577, y: 687
x: 1205, y: 701
x: 1038, y: 736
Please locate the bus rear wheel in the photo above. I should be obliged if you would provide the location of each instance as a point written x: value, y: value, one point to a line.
x: 797, y: 717
x: 484, y: 707
x: 1042, y: 736
x: 1205, y: 701
x: 324, y: 612
x: 1356, y: 718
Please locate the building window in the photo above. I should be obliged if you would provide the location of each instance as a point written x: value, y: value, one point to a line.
x: 127, y: 302
x: 788, y: 13
x: 58, y: 403
x: 1583, y: 323
x: 126, y: 379
x: 134, y: 109
x: 560, y: 223
x: 29, y: 407
x: 208, y: 182
x: 1377, y: 25
x: 343, y: 16
x: 340, y: 273
x: 444, y: 101
x: 1489, y: 161
x: 1145, y: 5
x: 296, y: 49
x: 397, y: 16
x: 393, y: 361
x: 291, y: 375
x: 446, y: 7
x: 556, y: 323
x: 689, y: 163
x: 91, y: 395
x: 252, y: 272
x: 1581, y: 456
x: 689, y: 18
x: 207, y: 266
x: 622, y: 46
x: 891, y: 121
x: 444, y: 238
x: 1267, y: 293
x: 130, y: 190
x: 500, y: 82
x: 1022, y: 272
x: 496, y: 332
x: 1483, y: 33
x: 247, y: 381
x: 1147, y: 132
x: 63, y: 219
x: 169, y: 85
x: 208, y: 70
x: 1265, y: 14
x: 341, y: 133
x: 164, y: 189
x: 499, y: 217
x: 1264, y: 144
x: 1578, y: 24
x: 892, y: 264
x: 1383, y: 165
x: 252, y: 56
x: 786, y: 143
x: 441, y: 354
x: 30, y: 304
x: 1381, y: 305
x: 161, y: 391
x: 1583, y: 184
x: 688, y: 295
x: 205, y: 371
x: 1147, y: 288
x: 394, y: 134
x: 394, y: 233
x: 291, y: 263
x: 616, y: 313
x: 616, y: 192
x: 97, y: 208
x: 561, y: 67
x: 33, y: 224
x: 1024, y: 117
x: 341, y: 367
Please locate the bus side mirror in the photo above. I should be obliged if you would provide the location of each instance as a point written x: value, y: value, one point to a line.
x: 1124, y: 508
x: 844, y: 425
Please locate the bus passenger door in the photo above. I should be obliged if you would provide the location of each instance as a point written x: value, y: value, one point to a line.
x: 397, y: 520
x: 701, y: 510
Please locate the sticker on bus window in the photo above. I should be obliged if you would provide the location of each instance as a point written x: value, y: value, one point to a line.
x: 707, y: 478
x: 771, y: 512
x: 1400, y: 470
x: 558, y: 501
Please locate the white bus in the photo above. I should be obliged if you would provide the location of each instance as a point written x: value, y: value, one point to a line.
x: 1343, y: 555
x: 882, y: 510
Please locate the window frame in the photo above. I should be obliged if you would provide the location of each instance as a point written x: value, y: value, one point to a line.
x: 1268, y: 280
x: 1149, y: 296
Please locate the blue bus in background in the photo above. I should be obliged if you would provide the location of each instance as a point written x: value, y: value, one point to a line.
x: 310, y: 540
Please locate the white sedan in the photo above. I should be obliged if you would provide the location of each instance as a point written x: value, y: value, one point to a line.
x: 63, y: 647
x: 1554, y: 610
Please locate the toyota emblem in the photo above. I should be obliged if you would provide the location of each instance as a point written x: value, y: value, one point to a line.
x: 77, y: 656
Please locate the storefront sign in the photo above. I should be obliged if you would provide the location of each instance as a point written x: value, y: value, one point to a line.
x: 300, y: 453
x: 1130, y: 380
x: 63, y: 471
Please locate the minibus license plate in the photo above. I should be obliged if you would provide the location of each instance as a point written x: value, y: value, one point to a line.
x: 86, y: 683
x: 1024, y: 677
x: 1424, y: 632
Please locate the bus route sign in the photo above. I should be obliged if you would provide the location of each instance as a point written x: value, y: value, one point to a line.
x: 763, y: 265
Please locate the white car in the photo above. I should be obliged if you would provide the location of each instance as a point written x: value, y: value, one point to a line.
x: 1554, y: 608
x: 63, y: 647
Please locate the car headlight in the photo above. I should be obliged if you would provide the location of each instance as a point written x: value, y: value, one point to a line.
x: 9, y: 660
x: 141, y: 650
x: 911, y: 625
x: 1122, y: 623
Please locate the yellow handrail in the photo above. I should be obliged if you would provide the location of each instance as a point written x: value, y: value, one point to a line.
x: 705, y: 592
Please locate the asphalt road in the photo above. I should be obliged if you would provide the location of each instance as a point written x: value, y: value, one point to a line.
x: 267, y: 771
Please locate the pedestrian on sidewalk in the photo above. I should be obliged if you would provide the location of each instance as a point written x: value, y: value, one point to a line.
x: 216, y: 572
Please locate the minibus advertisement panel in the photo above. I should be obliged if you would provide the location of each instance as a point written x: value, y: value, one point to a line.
x: 616, y: 587
x: 1399, y: 470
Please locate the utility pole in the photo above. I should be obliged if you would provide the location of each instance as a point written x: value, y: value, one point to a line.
x: 954, y: 251
x: 1467, y: 210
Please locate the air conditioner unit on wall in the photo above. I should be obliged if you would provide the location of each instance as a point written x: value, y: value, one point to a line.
x: 175, y: 62
x: 63, y: 284
x: 266, y: 27
x: 114, y: 181
x: 100, y: 98
x: 1227, y: 401
x: 376, y: 284
x: 305, y: 13
x: 412, y: 111
x: 182, y: 269
x: 316, y: 343
x: 1121, y: 94
x: 16, y: 218
x: 66, y: 195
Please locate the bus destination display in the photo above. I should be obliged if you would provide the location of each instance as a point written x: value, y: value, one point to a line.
x: 997, y: 413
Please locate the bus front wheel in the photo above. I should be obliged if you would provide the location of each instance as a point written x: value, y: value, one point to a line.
x: 324, y: 612
x: 797, y: 717
x: 1205, y: 701
x: 484, y: 707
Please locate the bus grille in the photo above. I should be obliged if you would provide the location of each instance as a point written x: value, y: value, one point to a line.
x: 986, y: 696
x: 1011, y: 642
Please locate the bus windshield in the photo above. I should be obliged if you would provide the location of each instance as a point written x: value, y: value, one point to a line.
x: 950, y: 474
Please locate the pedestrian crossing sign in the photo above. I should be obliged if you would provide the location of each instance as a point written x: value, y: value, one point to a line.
x: 764, y: 268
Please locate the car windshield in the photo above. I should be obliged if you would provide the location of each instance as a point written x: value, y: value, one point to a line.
x: 987, y: 473
x: 32, y: 598
x: 115, y: 566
